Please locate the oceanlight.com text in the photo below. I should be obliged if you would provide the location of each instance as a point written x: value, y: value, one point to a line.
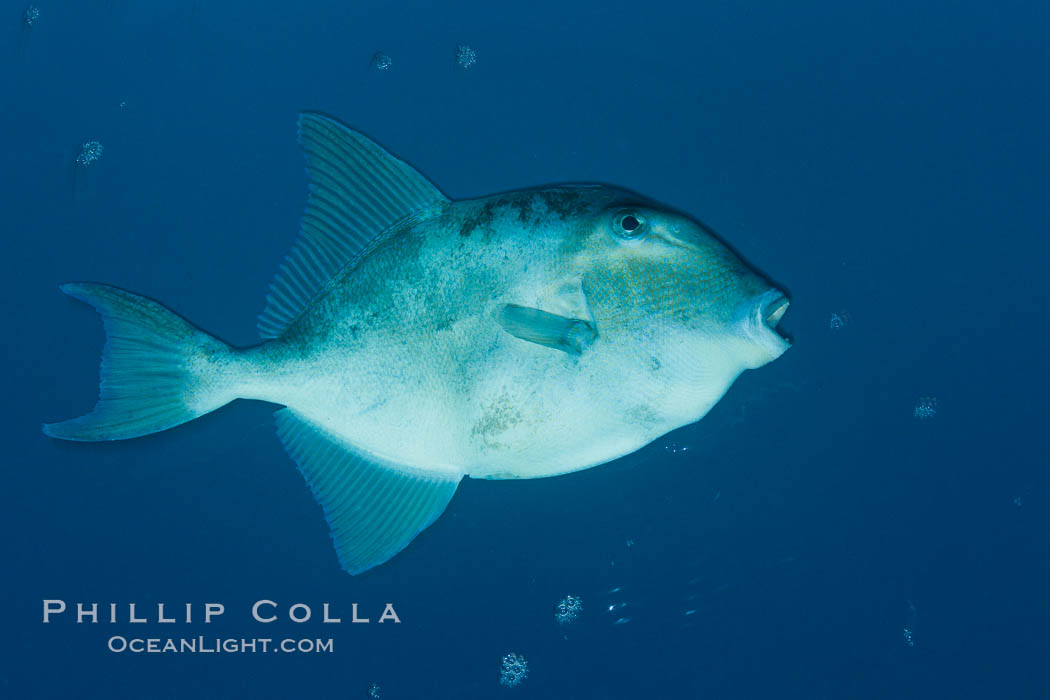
x: 218, y: 645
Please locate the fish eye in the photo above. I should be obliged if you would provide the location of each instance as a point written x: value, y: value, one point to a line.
x: 629, y: 224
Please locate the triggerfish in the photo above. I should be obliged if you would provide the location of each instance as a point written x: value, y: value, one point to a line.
x: 413, y: 340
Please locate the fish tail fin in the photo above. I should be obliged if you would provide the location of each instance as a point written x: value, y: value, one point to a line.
x: 157, y: 370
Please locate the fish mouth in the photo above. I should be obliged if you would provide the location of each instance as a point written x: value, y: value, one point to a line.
x: 760, y: 326
x: 773, y: 310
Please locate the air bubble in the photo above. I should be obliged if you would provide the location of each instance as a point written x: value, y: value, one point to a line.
x: 911, y: 621
x: 839, y: 320
x: 466, y: 56
x: 568, y: 609
x: 380, y: 61
x: 90, y: 152
x: 513, y: 670
x: 925, y: 408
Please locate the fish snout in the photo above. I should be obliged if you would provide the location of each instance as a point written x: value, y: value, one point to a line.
x: 758, y: 324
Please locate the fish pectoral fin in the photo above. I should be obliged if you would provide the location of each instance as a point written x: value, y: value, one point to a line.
x: 571, y: 335
x: 374, y: 508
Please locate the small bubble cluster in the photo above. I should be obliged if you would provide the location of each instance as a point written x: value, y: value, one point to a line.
x: 1018, y: 501
x: 466, y: 56
x: 675, y: 448
x: 925, y: 408
x: 568, y: 609
x: 839, y: 320
x: 513, y: 670
x: 32, y: 14
x: 373, y: 691
x: 911, y: 621
x: 380, y: 61
x: 90, y: 152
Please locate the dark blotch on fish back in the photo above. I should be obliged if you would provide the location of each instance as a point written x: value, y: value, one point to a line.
x: 523, y: 205
x: 565, y: 203
x: 479, y: 217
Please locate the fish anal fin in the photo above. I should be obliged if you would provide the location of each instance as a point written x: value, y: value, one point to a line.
x: 374, y: 508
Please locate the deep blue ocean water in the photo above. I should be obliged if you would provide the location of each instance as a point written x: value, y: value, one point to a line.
x: 886, y: 162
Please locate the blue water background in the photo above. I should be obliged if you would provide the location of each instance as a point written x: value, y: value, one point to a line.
x: 890, y: 160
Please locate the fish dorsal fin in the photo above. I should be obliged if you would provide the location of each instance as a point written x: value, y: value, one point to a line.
x: 357, y: 191
x: 374, y: 508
